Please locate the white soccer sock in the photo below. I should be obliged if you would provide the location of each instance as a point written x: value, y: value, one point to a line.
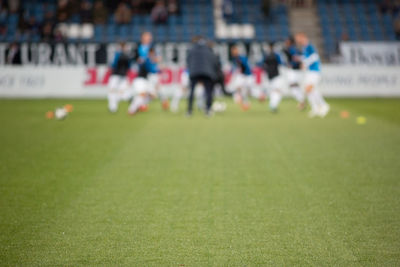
x: 297, y: 93
x: 175, y: 100
x: 319, y: 98
x: 245, y: 95
x: 137, y: 102
x: 113, y: 99
x: 125, y: 94
x: 313, y: 100
x: 275, y: 99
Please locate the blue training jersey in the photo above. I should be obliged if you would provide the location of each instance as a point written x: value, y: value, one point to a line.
x: 311, y: 58
x: 151, y: 66
x: 292, y: 51
x: 143, y: 51
x: 241, y: 63
x: 121, y: 63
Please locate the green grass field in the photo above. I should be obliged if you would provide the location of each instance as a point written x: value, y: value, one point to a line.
x: 239, y: 189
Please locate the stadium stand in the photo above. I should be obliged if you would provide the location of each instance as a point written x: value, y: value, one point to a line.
x: 353, y: 20
x: 73, y: 20
x: 273, y: 26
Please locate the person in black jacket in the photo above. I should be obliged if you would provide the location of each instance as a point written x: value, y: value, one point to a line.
x: 202, y: 65
x: 270, y: 64
x: 220, y: 76
x: 14, y: 55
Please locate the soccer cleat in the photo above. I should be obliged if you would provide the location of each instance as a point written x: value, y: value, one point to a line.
x: 273, y: 110
x: 313, y: 113
x: 165, y: 104
x: 324, y: 110
x: 245, y: 106
x: 262, y: 97
x: 301, y: 106
x: 209, y: 113
x: 237, y: 98
x: 144, y: 108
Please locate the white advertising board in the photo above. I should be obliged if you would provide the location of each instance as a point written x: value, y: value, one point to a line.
x: 83, y: 82
x: 371, y: 53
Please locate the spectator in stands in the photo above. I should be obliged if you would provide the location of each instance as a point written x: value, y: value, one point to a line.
x: 390, y: 7
x: 396, y: 8
x: 47, y: 32
x: 146, y: 6
x: 14, y: 55
x: 397, y: 28
x: 159, y: 13
x: 49, y: 17
x: 343, y: 38
x: 86, y: 12
x: 3, y: 17
x: 266, y: 7
x: 100, y: 13
x: 58, y: 35
x: 123, y: 14
x: 32, y: 27
x: 227, y: 8
x: 13, y: 6
x: 63, y: 11
x: 3, y: 12
x: 173, y: 7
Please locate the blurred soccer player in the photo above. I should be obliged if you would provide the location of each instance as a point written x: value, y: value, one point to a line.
x: 146, y: 50
x: 141, y: 86
x: 311, y: 63
x: 118, y: 83
x: 270, y: 63
x: 242, y: 78
x: 201, y: 64
x: 293, y: 73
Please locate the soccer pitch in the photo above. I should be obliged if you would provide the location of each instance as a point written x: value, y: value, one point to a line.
x: 238, y: 189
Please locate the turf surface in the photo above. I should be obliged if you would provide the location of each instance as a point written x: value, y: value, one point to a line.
x: 239, y: 189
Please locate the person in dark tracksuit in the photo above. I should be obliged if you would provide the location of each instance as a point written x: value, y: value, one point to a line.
x: 202, y: 65
x: 220, y: 76
x: 270, y: 64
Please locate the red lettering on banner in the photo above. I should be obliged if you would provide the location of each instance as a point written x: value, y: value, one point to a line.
x: 257, y: 72
x: 166, y: 76
x: 92, y: 76
x: 131, y: 76
x: 106, y: 77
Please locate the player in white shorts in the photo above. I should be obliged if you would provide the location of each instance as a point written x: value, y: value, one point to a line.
x: 242, y: 79
x: 118, y: 88
x: 293, y: 72
x: 142, y: 88
x: 311, y: 63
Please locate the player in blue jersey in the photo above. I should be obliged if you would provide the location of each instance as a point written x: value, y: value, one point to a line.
x: 293, y: 72
x: 118, y: 83
x: 312, y: 65
x: 143, y: 52
x: 143, y: 89
x: 242, y: 79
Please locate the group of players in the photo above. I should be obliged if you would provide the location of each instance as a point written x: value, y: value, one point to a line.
x: 301, y: 74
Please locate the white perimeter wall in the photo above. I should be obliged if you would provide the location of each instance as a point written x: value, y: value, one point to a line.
x: 83, y: 82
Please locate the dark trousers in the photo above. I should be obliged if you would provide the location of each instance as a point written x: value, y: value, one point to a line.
x: 221, y: 82
x: 208, y: 88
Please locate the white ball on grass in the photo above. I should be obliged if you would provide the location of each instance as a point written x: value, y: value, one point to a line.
x: 60, y: 113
